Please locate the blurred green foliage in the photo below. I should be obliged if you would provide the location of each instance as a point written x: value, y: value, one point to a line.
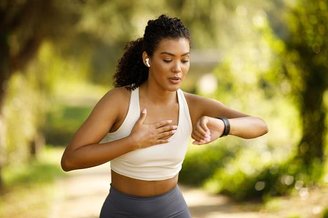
x: 254, y: 76
x: 36, y: 173
x: 24, y: 114
x: 63, y: 122
x: 255, y: 181
x: 325, y: 213
x: 29, y: 188
x: 260, y: 71
x: 201, y: 163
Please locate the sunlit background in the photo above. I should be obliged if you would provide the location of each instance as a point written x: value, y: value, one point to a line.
x: 265, y: 58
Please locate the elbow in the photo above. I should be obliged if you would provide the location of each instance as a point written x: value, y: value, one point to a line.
x: 266, y: 130
x: 260, y: 130
x: 263, y: 129
x: 65, y: 168
x: 66, y: 164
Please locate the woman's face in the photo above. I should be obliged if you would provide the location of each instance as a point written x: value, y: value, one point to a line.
x: 170, y: 63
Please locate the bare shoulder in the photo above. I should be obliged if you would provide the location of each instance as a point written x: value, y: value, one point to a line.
x: 200, y: 101
x: 196, y: 105
x: 193, y: 98
x: 112, y: 103
x: 203, y: 106
x: 115, y: 99
x: 119, y: 93
x: 106, y: 114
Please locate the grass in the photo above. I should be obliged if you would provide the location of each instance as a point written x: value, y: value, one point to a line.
x: 72, y: 105
x: 64, y: 121
x: 29, y: 189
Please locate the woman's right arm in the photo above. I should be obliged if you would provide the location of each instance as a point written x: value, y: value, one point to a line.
x: 85, y: 150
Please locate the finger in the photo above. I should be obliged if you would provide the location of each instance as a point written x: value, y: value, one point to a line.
x: 167, y: 128
x: 197, y: 135
x: 166, y: 135
x: 198, y: 129
x: 142, y: 117
x: 201, y: 142
x: 162, y: 123
x: 202, y: 128
x: 162, y: 141
x: 196, y: 143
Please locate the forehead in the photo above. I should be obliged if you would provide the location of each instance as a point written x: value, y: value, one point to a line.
x: 174, y: 46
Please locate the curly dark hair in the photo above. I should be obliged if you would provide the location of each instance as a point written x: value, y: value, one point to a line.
x: 131, y: 72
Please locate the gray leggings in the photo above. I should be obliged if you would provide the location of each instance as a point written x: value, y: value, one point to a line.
x: 167, y: 205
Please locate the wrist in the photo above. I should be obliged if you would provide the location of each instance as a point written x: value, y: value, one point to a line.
x: 133, y: 143
x: 226, y: 126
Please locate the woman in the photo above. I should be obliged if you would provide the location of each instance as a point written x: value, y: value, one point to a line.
x: 148, y: 121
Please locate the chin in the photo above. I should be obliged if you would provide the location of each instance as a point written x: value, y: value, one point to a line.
x: 173, y: 88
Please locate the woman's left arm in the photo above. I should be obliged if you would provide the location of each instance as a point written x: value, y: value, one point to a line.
x: 207, y: 126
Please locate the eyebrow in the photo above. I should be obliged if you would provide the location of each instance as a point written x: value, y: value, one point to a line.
x: 168, y: 53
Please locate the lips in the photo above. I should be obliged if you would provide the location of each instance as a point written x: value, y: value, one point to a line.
x: 175, y: 80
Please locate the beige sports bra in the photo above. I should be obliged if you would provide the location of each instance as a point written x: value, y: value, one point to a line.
x: 157, y: 162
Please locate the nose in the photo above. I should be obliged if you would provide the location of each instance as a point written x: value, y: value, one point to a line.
x: 177, y: 67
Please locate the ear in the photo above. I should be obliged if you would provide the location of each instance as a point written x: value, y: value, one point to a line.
x: 145, y: 59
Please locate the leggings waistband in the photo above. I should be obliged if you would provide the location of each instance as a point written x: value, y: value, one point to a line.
x: 168, y: 205
x: 114, y: 191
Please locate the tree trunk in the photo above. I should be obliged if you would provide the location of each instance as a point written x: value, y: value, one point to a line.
x: 36, y: 145
x: 4, y: 76
x: 2, y: 145
x: 313, y: 115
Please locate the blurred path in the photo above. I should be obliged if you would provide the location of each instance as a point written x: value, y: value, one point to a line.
x: 205, y: 205
x: 81, y: 194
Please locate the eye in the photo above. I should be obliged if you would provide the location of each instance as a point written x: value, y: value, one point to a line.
x: 167, y: 60
x: 185, y: 61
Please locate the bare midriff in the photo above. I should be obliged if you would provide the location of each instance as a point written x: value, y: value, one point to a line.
x: 142, y: 188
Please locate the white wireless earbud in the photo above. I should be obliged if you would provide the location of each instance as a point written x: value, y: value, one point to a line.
x: 147, y: 62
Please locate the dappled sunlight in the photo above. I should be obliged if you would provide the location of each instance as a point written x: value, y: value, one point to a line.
x: 207, y: 84
x: 264, y: 58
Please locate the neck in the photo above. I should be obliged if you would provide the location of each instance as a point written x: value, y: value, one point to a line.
x: 157, y: 95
